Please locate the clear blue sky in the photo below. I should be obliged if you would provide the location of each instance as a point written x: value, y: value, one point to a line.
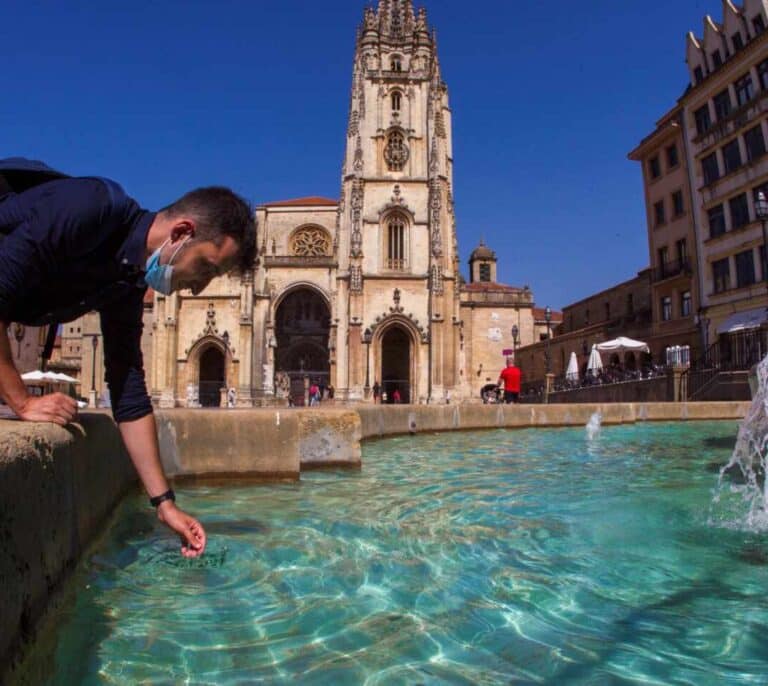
x: 548, y: 99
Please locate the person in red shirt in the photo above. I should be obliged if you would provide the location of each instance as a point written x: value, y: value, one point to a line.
x: 510, y: 377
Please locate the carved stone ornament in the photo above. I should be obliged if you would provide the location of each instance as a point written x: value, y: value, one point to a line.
x: 356, y: 279
x: 356, y: 240
x: 396, y: 152
x: 398, y: 313
x: 436, y: 280
x: 210, y: 322
x: 311, y: 241
x: 357, y: 165
x: 354, y: 124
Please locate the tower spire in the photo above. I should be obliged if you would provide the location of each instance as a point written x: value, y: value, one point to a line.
x: 396, y: 18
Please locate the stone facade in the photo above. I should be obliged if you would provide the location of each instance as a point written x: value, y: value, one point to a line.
x: 364, y: 289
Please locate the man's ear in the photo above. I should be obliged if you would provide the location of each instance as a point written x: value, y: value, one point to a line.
x: 182, y: 228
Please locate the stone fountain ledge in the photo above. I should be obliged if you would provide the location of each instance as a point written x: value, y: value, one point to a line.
x: 58, y: 486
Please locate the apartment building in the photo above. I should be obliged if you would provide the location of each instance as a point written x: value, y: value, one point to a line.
x: 674, y: 296
x: 723, y: 116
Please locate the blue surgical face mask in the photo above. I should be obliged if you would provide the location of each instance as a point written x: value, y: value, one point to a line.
x: 160, y: 276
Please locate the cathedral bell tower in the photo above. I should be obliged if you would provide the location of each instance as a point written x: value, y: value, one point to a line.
x: 396, y: 236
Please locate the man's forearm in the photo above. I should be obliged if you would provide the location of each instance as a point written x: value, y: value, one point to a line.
x: 12, y: 389
x: 140, y: 438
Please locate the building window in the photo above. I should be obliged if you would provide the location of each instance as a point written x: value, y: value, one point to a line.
x: 722, y: 103
x: 658, y: 213
x: 396, y: 64
x: 721, y: 275
x: 396, y: 151
x: 396, y: 101
x: 682, y: 251
x: 396, y: 255
x: 666, y: 308
x: 672, y: 156
x: 630, y: 303
x: 716, y: 221
x: 762, y: 72
x: 739, y: 211
x: 654, y: 167
x: 717, y: 59
x: 677, y: 203
x: 764, y: 272
x: 710, y: 168
x: 758, y: 23
x: 685, y: 304
x: 703, y: 120
x: 586, y: 317
x: 607, y: 311
x: 485, y: 272
x: 311, y: 241
x: 755, y: 143
x: 745, y: 269
x: 732, y: 156
x: 663, y: 254
x: 698, y: 75
x: 745, y: 91
x: 737, y: 40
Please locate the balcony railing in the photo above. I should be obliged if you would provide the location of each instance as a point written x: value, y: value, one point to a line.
x: 300, y: 261
x: 674, y: 268
x: 396, y: 265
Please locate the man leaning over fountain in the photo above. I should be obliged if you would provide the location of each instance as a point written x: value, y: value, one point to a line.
x: 74, y: 245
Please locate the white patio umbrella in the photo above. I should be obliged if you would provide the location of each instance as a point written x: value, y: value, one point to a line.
x: 37, y: 376
x: 595, y: 363
x: 572, y: 373
x: 63, y: 378
x: 623, y: 344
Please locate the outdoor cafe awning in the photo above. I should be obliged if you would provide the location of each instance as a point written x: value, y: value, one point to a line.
x: 740, y: 321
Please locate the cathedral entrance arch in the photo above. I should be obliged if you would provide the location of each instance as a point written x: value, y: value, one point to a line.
x: 302, y: 328
x: 212, y: 377
x: 396, y: 364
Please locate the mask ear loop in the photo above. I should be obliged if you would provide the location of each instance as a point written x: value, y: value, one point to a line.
x: 176, y: 252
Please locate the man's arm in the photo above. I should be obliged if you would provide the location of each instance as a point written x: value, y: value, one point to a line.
x: 121, y: 325
x: 140, y: 438
x: 56, y: 407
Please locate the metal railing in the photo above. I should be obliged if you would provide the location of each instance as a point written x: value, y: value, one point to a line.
x: 733, y: 352
x: 667, y: 270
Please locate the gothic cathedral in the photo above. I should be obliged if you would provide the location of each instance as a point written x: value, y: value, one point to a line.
x: 363, y: 292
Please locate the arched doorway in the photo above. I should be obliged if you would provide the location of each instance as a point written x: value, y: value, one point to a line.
x: 212, y: 377
x: 302, y: 327
x: 396, y: 364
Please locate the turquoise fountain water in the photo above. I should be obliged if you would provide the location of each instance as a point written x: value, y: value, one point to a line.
x: 534, y: 556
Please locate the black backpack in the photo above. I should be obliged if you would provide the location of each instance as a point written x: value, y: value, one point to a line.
x: 18, y: 174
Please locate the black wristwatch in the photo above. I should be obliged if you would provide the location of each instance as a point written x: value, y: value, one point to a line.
x: 168, y: 495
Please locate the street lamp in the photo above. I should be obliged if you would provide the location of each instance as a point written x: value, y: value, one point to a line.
x: 548, y: 319
x: 95, y: 344
x: 761, y: 209
x: 515, y: 334
x: 367, y: 338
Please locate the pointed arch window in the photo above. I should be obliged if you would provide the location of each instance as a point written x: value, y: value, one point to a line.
x: 396, y: 235
x: 396, y: 101
x: 396, y: 151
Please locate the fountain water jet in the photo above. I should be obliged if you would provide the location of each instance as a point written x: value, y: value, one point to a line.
x: 748, y: 462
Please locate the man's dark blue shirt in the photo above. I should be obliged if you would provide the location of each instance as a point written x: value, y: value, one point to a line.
x: 73, y: 246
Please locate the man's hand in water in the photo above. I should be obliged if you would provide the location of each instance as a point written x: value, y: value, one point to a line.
x: 189, y: 529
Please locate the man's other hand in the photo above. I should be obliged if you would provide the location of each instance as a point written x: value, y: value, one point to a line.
x: 56, y: 407
x: 190, y: 531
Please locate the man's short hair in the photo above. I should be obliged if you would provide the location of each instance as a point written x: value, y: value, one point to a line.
x: 220, y: 212
x: 510, y: 359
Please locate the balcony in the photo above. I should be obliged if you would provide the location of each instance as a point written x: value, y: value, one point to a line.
x: 671, y: 269
x: 738, y: 119
x: 300, y: 261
